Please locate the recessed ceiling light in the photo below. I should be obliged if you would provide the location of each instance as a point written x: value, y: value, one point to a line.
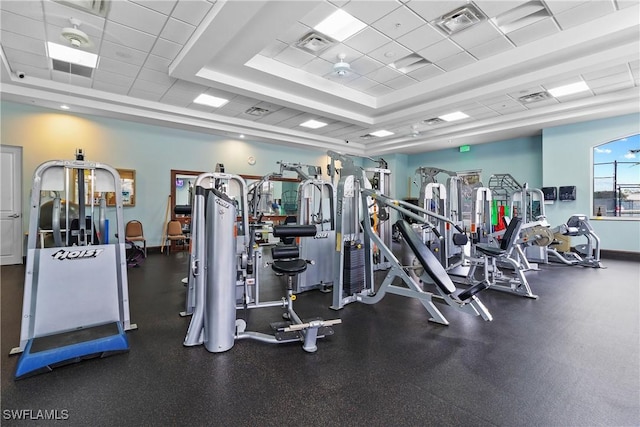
x: 241, y: 135
x: 209, y: 100
x: 451, y: 117
x: 340, y: 25
x: 74, y: 56
x: 313, y: 124
x: 568, y: 89
x: 381, y: 133
x: 64, y: 107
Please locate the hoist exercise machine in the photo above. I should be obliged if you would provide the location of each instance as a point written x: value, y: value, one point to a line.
x: 356, y: 240
x: 76, y: 300
x: 221, y: 249
x: 315, y: 206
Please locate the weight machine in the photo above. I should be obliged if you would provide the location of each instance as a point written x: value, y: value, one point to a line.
x: 224, y: 261
x: 354, y: 280
x: 76, y: 299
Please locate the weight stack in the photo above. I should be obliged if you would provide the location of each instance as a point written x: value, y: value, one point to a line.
x: 353, y: 273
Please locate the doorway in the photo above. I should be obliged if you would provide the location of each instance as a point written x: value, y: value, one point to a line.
x: 11, y: 241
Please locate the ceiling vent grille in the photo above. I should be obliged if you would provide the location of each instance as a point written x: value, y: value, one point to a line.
x: 410, y: 63
x: 459, y: 19
x: 367, y: 136
x: 433, y: 121
x: 314, y: 43
x: 257, y: 111
x: 534, y: 97
x: 69, y: 68
x: 95, y: 7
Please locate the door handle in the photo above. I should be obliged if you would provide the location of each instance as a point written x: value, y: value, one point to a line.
x: 14, y: 216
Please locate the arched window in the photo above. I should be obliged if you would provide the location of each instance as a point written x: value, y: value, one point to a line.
x: 616, y: 178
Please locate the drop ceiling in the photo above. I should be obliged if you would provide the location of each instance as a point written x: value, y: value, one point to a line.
x: 405, y: 68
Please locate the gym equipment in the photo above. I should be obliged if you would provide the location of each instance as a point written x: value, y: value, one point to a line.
x: 315, y: 206
x: 587, y: 254
x: 220, y: 252
x: 76, y: 301
x: 354, y: 280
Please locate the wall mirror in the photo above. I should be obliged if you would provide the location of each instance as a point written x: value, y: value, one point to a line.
x: 127, y: 182
x: 182, y: 182
x: 276, y: 198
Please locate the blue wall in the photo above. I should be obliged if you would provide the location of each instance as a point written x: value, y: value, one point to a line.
x: 567, y: 160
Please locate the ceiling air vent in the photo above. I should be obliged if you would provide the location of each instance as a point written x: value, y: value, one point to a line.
x: 257, y: 111
x: 314, y: 43
x: 69, y: 68
x: 367, y: 136
x: 410, y: 63
x: 459, y: 19
x: 432, y: 122
x: 521, y: 16
x: 96, y: 7
x: 534, y: 97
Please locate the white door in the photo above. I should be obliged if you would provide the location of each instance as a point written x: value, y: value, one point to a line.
x: 11, y: 239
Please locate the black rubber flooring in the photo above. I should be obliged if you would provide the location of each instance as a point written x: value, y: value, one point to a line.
x: 570, y: 358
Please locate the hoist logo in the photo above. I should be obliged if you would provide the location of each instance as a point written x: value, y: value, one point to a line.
x: 79, y: 254
x: 321, y: 236
x: 222, y: 203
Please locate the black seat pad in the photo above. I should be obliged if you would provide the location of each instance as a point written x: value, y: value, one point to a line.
x: 428, y: 260
x: 293, y: 266
x: 490, y: 250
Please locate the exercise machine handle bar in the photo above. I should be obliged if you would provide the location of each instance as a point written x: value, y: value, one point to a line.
x: 401, y: 206
x: 297, y: 168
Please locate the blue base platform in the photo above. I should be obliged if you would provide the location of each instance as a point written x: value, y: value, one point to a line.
x: 45, y: 353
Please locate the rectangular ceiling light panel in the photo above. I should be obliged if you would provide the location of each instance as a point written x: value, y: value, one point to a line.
x: 211, y: 101
x: 451, y: 117
x: 340, y: 25
x: 313, y: 124
x: 72, y: 55
x: 568, y: 89
x: 381, y: 133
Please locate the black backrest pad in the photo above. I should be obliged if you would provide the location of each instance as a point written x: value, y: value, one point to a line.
x: 285, y: 251
x: 428, y: 260
x: 509, y: 233
x: 294, y: 230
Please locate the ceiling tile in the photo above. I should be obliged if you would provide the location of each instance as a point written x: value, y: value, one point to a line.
x: 623, y: 77
x: 136, y: 16
x: 490, y: 48
x: 16, y: 55
x: 318, y: 66
x: 503, y: 104
x: 421, y: 37
x: 29, y: 70
x: 400, y: 82
x: 294, y: 57
x: 185, y: 89
x: 166, y: 49
x: 22, y: 25
x: 398, y: 23
x: 425, y: 73
x: 495, y: 100
x: 440, y: 50
x: 157, y: 63
x: 432, y: 9
x: 21, y: 7
x: 156, y: 76
x: 151, y: 87
x: 163, y: 6
x: 559, y: 6
x: 119, y: 67
x: 584, y: 13
x: 367, y: 40
x: 110, y: 88
x: 362, y: 83
x: 273, y: 49
x: 192, y: 11
x: 458, y: 60
x: 177, y: 31
x: 319, y: 13
x: 369, y: 13
x: 493, y: 8
x: 127, y: 36
x: 540, y: 104
x: 384, y: 74
x: 508, y: 110
x: 59, y: 14
x: 623, y: 4
x: 24, y: 43
x: 122, y: 53
x: 365, y: 65
x: 613, y: 88
x: 279, y: 116
x: 476, y: 35
x: 379, y: 90
x: 536, y: 31
x: 143, y: 94
x: 389, y: 53
x: 605, y: 72
x: 332, y: 53
x: 293, y: 34
x: 110, y: 78
x: 580, y: 95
